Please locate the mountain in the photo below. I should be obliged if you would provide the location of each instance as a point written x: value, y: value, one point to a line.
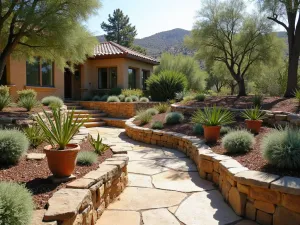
x: 169, y: 41
x: 166, y: 41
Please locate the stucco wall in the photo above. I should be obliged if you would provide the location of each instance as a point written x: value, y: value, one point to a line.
x: 16, y: 78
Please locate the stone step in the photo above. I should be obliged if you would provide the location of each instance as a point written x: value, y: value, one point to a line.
x: 94, y: 115
x: 94, y: 124
x: 71, y: 103
x: 75, y: 107
x: 90, y: 119
x: 85, y: 111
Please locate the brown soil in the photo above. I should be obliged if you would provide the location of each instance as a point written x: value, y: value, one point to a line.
x: 252, y: 160
x: 34, y: 174
x: 269, y: 103
x: 14, y: 111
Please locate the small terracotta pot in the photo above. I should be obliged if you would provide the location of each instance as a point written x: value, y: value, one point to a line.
x: 62, y: 162
x: 254, y: 125
x: 211, y: 133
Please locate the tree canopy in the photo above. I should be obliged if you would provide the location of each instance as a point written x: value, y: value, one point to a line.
x: 224, y: 32
x: 286, y: 13
x: 50, y: 29
x: 186, y: 65
x: 119, y: 29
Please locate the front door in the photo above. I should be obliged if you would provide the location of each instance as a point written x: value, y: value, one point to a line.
x: 68, y: 83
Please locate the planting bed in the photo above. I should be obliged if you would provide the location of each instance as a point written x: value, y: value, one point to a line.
x: 34, y: 173
x: 269, y: 103
x: 21, y: 112
x: 252, y: 160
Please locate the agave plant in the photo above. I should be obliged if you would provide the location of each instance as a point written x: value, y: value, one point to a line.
x: 61, y: 129
x: 214, y: 116
x: 98, y: 145
x: 253, y: 114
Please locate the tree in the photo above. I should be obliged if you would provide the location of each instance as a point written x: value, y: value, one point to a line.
x: 186, y: 65
x: 139, y: 49
x: 49, y: 29
x: 286, y: 13
x: 119, y: 29
x: 225, y: 33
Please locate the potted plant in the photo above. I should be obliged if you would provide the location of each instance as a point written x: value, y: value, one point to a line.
x: 254, y: 118
x: 59, y: 131
x: 212, y: 119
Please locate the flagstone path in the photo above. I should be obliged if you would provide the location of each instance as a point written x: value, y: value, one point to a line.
x: 164, y: 188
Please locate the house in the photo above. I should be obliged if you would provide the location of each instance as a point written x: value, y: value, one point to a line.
x: 111, y: 66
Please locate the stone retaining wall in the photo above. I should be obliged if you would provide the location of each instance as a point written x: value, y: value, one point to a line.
x: 265, y: 198
x: 83, y: 201
x: 118, y: 109
x: 274, y: 118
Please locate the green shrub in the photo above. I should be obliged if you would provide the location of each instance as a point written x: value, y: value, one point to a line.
x: 86, y: 158
x: 130, y: 92
x: 239, y: 141
x: 162, y: 107
x: 13, y: 145
x: 97, y: 144
x: 128, y: 99
x: 5, y: 101
x: 157, y: 125
x: 163, y: 86
x: 174, y: 118
x: 152, y: 111
x: 225, y: 130
x: 115, y: 91
x: 52, y: 99
x: 134, y: 98
x: 113, y: 99
x: 104, y: 98
x: 200, y: 97
x: 188, y: 98
x: 144, y: 99
x: 144, y: 117
x: 281, y: 148
x: 27, y: 93
x: 96, y: 98
x: 213, y: 116
x: 35, y: 135
x: 257, y: 100
x: 179, y: 96
x: 4, y: 90
x: 16, y: 205
x: 198, y: 129
x: 28, y: 102
x: 253, y: 114
x: 297, y: 96
x: 55, y: 105
x: 122, y: 98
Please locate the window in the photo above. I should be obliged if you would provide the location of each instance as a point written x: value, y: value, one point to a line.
x: 39, y: 73
x: 146, y: 75
x: 131, y: 78
x: 107, y: 78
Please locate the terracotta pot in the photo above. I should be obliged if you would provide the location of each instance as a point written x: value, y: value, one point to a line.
x: 254, y: 125
x: 211, y: 133
x: 62, y: 162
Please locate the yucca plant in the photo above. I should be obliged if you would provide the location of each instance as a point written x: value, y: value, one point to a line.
x: 257, y: 100
x: 98, y: 146
x: 61, y: 129
x: 35, y: 135
x: 5, y: 100
x: 253, y: 114
x: 214, y: 116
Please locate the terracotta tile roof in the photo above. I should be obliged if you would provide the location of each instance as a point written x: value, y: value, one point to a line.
x: 113, y: 49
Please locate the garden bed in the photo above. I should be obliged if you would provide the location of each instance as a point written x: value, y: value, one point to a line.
x: 252, y: 159
x: 18, y: 112
x: 269, y: 103
x: 33, y: 174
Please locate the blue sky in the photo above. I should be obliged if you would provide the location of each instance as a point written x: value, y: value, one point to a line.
x: 150, y: 16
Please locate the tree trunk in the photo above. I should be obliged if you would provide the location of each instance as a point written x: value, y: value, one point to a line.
x: 2, y: 66
x: 292, y: 83
x: 242, y: 88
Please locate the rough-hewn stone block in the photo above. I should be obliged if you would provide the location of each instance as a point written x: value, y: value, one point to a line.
x: 291, y: 202
x: 250, y: 211
x: 237, y: 201
x: 264, y: 206
x: 266, y: 195
x: 263, y: 218
x: 283, y: 216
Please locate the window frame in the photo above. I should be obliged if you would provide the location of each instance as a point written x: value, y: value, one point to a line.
x: 134, y: 79
x: 40, y: 74
x: 109, y: 78
x: 148, y: 74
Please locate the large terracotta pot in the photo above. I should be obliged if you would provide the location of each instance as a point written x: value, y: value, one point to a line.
x: 62, y: 162
x: 211, y: 133
x: 254, y: 125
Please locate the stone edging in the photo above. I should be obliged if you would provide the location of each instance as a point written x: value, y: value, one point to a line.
x: 274, y: 118
x: 262, y: 197
x: 83, y: 201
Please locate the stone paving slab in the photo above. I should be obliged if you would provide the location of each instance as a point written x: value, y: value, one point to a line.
x: 134, y: 198
x: 183, y: 164
x: 119, y: 218
x: 159, y: 216
x: 137, y: 180
x: 148, y: 167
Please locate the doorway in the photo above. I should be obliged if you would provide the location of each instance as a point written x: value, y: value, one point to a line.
x: 68, y: 84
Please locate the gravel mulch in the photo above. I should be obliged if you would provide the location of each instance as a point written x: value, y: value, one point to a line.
x: 18, y: 112
x: 269, y: 103
x: 34, y: 174
x: 252, y: 160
